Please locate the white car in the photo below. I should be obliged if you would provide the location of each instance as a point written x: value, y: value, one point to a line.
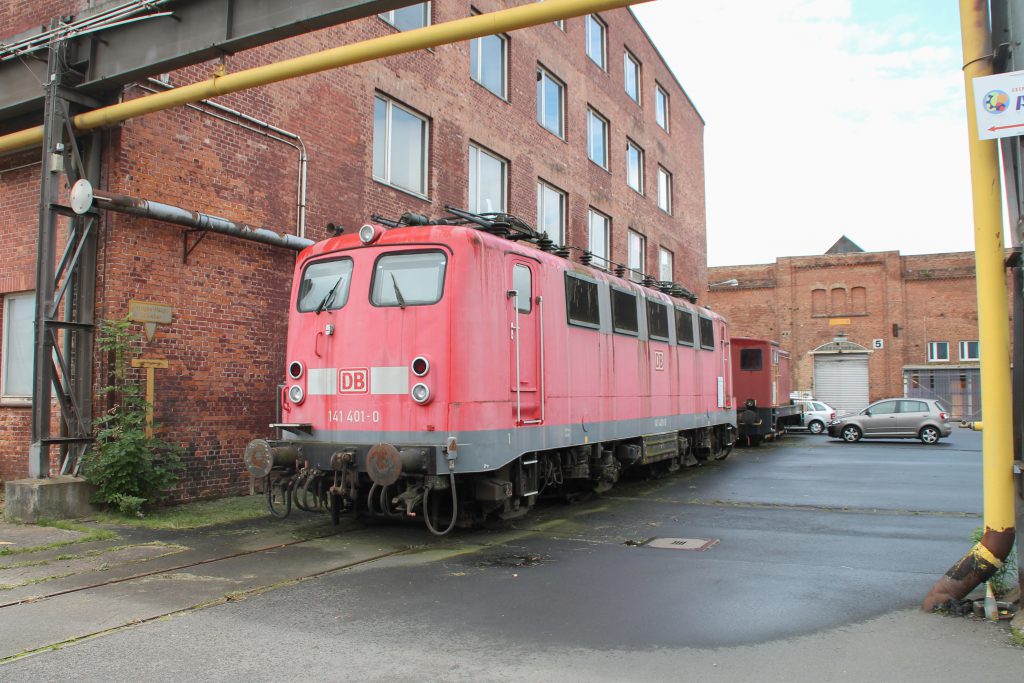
x: 815, y: 415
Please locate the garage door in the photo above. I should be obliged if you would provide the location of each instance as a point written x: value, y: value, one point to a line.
x: 841, y: 380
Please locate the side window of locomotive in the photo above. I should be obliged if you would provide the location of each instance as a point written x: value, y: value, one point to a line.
x: 408, y: 279
x: 523, y: 284
x: 657, y: 320
x: 324, y: 285
x: 624, y: 317
x: 707, y: 332
x: 581, y: 302
x: 684, y: 327
x: 750, y: 359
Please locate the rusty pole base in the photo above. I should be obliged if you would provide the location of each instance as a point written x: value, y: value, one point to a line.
x: 974, y: 568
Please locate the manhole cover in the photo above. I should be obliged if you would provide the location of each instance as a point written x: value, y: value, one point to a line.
x: 683, y: 543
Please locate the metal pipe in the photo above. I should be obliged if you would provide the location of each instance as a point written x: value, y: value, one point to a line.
x: 503, y: 21
x: 195, y: 219
x: 988, y: 555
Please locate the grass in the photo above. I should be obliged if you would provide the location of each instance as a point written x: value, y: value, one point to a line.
x: 90, y: 535
x: 193, y: 515
x: 1017, y: 637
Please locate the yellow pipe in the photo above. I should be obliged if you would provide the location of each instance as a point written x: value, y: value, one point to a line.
x: 993, y: 332
x: 503, y: 21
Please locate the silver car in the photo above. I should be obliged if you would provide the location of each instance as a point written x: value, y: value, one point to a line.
x: 900, y: 418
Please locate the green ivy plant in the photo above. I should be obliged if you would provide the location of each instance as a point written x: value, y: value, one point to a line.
x: 129, y: 469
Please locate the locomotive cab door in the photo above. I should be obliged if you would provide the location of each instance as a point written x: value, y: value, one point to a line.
x: 525, y: 331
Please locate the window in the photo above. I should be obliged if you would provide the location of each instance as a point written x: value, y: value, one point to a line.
x: 751, y: 359
x: 408, y: 18
x: 636, y: 247
x: 324, y: 285
x: 819, y: 302
x: 487, y: 181
x: 913, y: 407
x: 409, y: 279
x: 597, y: 139
x: 560, y: 23
x: 581, y: 301
x: 551, y: 212
x: 859, y: 300
x: 657, y: 320
x: 634, y: 166
x: 598, y: 238
x: 661, y: 107
x: 684, y: 327
x: 938, y: 352
x: 707, y: 332
x: 624, y: 316
x: 550, y: 103
x: 399, y: 146
x: 596, y: 40
x: 970, y: 350
x: 522, y: 282
x: 664, y: 190
x: 884, y: 408
x: 488, y: 63
x: 838, y: 300
x: 631, y: 76
x: 18, y: 340
x: 665, y: 266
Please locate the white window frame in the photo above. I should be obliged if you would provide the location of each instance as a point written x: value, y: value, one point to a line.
x: 933, y: 352
x: 631, y: 147
x: 542, y: 76
x: 601, y: 259
x: 636, y: 254
x: 474, y: 48
x: 389, y: 16
x: 662, y: 105
x: 424, y: 142
x: 593, y: 116
x: 631, y: 64
x: 475, y: 152
x: 965, y: 350
x: 28, y: 298
x: 542, y: 200
x: 666, y: 264
x: 594, y: 22
x: 664, y: 190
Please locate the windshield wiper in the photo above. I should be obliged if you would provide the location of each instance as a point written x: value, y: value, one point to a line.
x: 398, y: 292
x: 330, y: 295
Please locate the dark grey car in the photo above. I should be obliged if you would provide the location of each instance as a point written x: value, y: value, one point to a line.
x: 895, y: 418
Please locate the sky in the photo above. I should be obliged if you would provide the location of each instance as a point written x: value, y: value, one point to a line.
x: 824, y: 118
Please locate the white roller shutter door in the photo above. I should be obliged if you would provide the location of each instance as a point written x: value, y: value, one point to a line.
x: 841, y: 380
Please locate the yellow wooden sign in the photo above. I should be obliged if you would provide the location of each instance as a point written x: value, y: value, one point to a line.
x: 838, y: 321
x: 151, y: 365
x: 160, y: 363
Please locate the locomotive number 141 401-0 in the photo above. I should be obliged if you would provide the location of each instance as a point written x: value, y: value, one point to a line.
x: 354, y: 416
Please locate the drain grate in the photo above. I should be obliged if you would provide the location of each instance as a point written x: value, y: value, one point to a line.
x: 699, y: 544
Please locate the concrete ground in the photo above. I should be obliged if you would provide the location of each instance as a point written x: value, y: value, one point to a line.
x: 822, y: 552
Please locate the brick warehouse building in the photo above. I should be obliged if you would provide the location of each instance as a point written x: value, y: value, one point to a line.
x: 864, y: 326
x: 610, y: 159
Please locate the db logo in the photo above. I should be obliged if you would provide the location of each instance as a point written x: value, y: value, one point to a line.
x: 659, y: 360
x: 354, y: 381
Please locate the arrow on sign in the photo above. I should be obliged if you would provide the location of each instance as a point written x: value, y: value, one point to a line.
x: 995, y: 128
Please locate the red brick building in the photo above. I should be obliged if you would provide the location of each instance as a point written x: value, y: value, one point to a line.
x: 578, y: 128
x: 864, y: 326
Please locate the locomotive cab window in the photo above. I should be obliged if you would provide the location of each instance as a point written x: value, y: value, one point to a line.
x: 707, y: 332
x: 324, y: 285
x: 750, y: 359
x: 624, y: 316
x: 684, y: 327
x: 523, y: 285
x: 408, y: 279
x: 657, y: 320
x: 581, y: 301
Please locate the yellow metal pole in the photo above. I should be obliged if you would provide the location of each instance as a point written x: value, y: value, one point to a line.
x: 993, y: 332
x: 503, y: 21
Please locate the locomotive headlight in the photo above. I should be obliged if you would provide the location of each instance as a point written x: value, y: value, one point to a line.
x: 420, y: 366
x: 420, y: 393
x: 296, y: 394
x: 295, y: 369
x: 368, y: 234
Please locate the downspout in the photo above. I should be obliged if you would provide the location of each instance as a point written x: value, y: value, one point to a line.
x: 987, y: 556
x: 477, y: 26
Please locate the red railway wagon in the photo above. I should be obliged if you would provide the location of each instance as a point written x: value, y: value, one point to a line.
x: 453, y: 373
x: 762, y: 381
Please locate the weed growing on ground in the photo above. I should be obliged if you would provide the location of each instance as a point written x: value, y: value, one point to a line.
x: 193, y: 515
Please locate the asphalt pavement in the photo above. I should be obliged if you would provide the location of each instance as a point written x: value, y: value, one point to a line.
x: 812, y: 557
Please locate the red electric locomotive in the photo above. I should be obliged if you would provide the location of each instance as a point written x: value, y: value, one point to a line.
x: 452, y: 371
x: 762, y: 381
